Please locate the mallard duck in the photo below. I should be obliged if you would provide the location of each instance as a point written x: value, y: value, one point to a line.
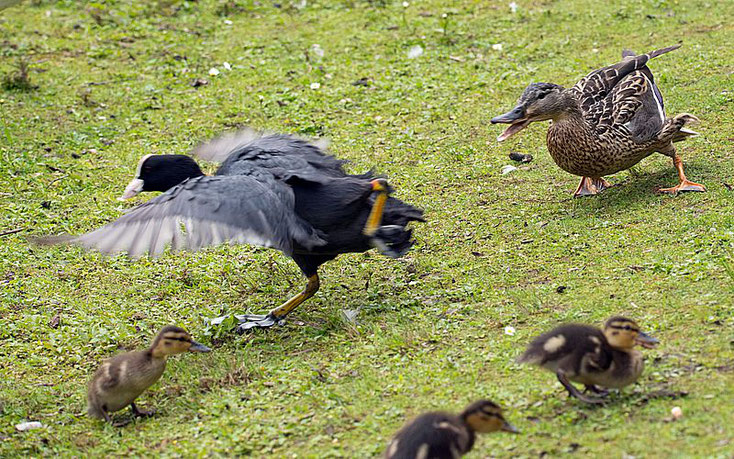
x: 444, y: 435
x: 271, y: 190
x: 121, y: 379
x: 608, y: 122
x: 596, y: 358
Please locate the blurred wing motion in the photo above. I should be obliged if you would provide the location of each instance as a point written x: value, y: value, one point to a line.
x: 201, y: 212
x: 248, y: 139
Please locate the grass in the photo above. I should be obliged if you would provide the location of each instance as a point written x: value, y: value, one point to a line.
x: 113, y: 81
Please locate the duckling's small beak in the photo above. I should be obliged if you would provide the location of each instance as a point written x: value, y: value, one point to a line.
x: 646, y: 341
x: 515, y: 118
x: 507, y: 427
x: 198, y: 347
x: 133, y: 188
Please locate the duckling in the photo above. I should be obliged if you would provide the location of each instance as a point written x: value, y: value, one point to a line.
x: 593, y: 357
x: 121, y: 379
x: 444, y: 435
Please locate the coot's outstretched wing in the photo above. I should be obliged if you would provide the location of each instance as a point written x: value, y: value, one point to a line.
x: 205, y: 211
x: 593, y: 90
x: 285, y: 157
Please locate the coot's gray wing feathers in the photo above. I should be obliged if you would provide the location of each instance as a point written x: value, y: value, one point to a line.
x: 285, y: 157
x: 207, y: 211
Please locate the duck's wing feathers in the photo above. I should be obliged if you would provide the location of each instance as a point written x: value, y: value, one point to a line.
x: 205, y: 211
x: 249, y: 152
x: 593, y: 90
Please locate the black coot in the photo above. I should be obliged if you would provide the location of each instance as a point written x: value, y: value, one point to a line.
x: 271, y: 190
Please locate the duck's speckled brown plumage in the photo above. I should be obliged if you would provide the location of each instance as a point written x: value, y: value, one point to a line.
x: 608, y: 122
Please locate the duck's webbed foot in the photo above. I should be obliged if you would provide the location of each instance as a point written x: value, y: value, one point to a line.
x: 250, y: 321
x: 685, y: 184
x: 594, y: 389
x: 589, y: 186
x: 574, y: 392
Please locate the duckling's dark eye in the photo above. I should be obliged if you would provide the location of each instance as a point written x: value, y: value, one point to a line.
x: 627, y: 327
x: 541, y: 96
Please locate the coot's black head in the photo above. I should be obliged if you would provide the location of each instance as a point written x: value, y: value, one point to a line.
x: 160, y: 173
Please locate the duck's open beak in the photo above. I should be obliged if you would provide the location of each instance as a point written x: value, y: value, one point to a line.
x: 507, y: 427
x: 646, y: 341
x: 133, y: 188
x: 515, y: 118
x: 198, y: 347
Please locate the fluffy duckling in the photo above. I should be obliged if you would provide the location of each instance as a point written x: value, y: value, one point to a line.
x: 590, y: 356
x: 443, y: 435
x: 121, y: 379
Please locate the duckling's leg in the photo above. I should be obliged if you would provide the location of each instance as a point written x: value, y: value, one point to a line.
x: 685, y: 184
x: 589, y: 186
x: 572, y: 391
x: 140, y: 413
x: 277, y: 315
x: 596, y: 390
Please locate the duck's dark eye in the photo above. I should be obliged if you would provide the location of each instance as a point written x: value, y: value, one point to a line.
x: 542, y: 95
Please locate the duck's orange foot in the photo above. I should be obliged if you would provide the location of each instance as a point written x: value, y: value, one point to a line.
x: 590, y: 186
x: 685, y: 185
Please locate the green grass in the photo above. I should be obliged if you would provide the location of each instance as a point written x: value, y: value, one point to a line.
x: 112, y: 81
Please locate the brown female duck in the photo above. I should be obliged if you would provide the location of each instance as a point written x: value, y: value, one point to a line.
x: 121, y: 379
x: 443, y: 435
x: 590, y: 356
x: 608, y: 122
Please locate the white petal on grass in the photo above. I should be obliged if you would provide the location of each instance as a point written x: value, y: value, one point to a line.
x: 497, y: 47
x: 315, y: 85
x: 510, y: 331
x: 406, y: 4
x: 227, y: 65
x: 507, y: 169
x: 30, y: 425
x: 677, y: 412
x: 228, y: 22
x: 317, y: 50
x: 213, y: 71
x: 513, y: 7
x: 415, y: 51
x: 300, y: 5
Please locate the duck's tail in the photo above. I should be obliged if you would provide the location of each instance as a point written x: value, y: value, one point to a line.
x: 674, y: 129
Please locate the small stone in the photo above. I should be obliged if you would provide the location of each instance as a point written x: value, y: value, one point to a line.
x: 521, y: 158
